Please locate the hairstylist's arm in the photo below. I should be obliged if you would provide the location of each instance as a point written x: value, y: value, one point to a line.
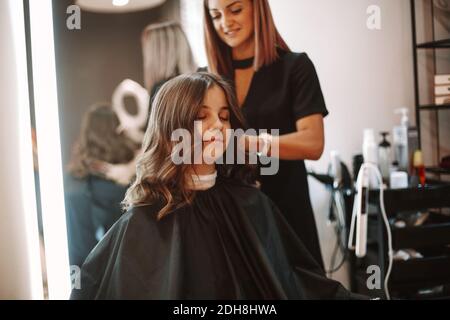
x: 121, y: 174
x: 307, y: 143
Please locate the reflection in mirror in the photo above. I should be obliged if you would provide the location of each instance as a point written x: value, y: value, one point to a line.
x: 93, y: 202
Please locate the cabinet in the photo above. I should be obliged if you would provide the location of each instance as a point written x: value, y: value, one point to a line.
x: 424, y: 277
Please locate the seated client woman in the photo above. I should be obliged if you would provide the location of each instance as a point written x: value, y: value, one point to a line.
x: 201, y: 230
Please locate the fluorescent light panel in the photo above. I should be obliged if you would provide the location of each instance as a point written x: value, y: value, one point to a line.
x: 26, y: 154
x: 48, y: 138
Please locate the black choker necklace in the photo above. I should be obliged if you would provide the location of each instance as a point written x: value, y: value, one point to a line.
x: 243, y: 64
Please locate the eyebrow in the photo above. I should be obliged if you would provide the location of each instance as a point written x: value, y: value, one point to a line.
x: 222, y: 108
x: 231, y: 4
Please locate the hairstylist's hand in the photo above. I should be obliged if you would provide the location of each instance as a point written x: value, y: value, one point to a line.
x: 252, y: 144
x: 121, y: 174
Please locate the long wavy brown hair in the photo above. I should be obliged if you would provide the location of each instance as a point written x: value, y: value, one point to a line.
x: 176, y: 106
x: 267, y: 41
x: 99, y: 140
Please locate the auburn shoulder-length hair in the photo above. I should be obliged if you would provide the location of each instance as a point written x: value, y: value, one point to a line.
x: 99, y: 140
x: 159, y: 181
x: 267, y: 41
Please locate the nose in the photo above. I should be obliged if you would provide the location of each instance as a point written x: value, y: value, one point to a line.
x: 217, y: 125
x: 227, y: 21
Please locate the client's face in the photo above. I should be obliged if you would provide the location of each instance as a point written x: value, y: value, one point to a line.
x: 214, y: 117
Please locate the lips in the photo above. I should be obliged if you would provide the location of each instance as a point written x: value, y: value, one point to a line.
x: 232, y: 33
x: 212, y: 136
x: 214, y: 139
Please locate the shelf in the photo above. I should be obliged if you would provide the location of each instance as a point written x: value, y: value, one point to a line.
x: 412, y: 191
x: 438, y: 170
x: 421, y: 236
x: 434, y: 270
x: 440, y: 44
x: 413, y: 199
x: 434, y: 107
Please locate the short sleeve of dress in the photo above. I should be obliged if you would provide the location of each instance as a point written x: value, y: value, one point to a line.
x: 306, y: 92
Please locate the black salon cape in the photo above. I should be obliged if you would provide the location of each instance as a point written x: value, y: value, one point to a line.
x: 231, y: 243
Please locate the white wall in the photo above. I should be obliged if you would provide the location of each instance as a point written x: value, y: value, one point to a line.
x: 191, y: 12
x: 364, y: 75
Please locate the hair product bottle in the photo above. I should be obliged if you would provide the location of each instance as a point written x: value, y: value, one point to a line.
x: 384, y: 156
x: 400, y: 140
x: 419, y: 167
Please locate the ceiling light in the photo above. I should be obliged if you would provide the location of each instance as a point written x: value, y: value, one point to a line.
x: 120, y: 3
x: 117, y: 6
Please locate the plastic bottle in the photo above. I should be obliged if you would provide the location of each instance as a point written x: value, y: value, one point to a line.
x: 369, y: 147
x: 400, y: 140
x: 384, y: 156
x: 419, y: 167
x: 370, y: 153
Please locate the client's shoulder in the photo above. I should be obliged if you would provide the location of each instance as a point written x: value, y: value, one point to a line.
x: 139, y: 214
x: 245, y: 190
x: 142, y: 220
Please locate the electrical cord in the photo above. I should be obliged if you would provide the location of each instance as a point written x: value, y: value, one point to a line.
x: 337, y: 206
x: 338, y: 246
x: 337, y: 215
x: 337, y: 185
x: 374, y: 168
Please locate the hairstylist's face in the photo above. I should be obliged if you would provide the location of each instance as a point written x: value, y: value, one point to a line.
x: 215, y: 120
x: 233, y: 20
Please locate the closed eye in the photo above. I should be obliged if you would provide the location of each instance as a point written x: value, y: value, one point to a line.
x: 201, y: 115
x: 214, y: 15
x: 236, y: 11
x: 225, y: 115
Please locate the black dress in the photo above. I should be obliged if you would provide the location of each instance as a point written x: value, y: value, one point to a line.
x: 92, y: 207
x: 279, y: 95
x: 231, y: 243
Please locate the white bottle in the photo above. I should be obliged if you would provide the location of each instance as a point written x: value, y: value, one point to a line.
x: 384, y: 156
x: 370, y: 154
x: 400, y: 140
x: 336, y: 168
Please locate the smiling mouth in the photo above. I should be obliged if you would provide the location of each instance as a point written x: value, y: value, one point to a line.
x: 213, y: 139
x: 232, y: 33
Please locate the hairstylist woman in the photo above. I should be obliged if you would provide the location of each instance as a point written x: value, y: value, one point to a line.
x: 276, y: 89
